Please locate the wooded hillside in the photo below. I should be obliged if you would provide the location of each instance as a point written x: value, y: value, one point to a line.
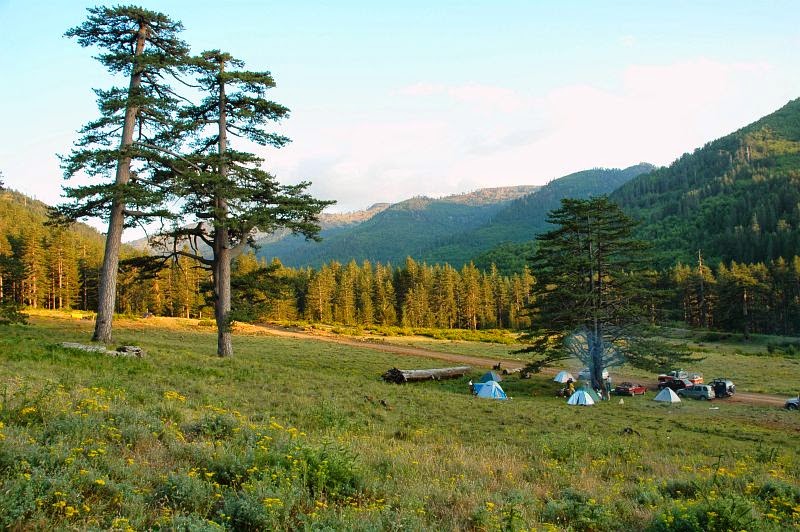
x: 736, y: 198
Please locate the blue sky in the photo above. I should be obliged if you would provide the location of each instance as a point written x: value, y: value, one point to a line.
x: 391, y: 100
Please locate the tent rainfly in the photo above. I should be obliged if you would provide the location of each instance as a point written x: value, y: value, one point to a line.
x: 490, y: 376
x: 490, y: 390
x: 581, y: 397
x: 667, y: 396
x: 563, y: 377
x: 590, y: 392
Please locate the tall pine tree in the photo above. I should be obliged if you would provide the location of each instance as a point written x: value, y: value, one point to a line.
x: 226, y: 194
x: 143, y: 46
x: 592, y: 292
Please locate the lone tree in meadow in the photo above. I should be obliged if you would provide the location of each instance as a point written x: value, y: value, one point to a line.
x: 143, y: 46
x: 226, y: 196
x: 594, y: 295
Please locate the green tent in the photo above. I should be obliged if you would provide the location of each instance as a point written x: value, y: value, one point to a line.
x: 588, y: 389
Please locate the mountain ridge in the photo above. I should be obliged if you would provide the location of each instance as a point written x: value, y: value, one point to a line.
x: 452, y: 229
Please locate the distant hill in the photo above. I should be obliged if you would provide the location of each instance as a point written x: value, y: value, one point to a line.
x: 508, y: 233
x: 391, y: 233
x: 736, y: 198
x: 455, y: 229
x: 282, y: 241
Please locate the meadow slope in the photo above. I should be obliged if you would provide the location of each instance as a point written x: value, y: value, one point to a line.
x: 294, y: 433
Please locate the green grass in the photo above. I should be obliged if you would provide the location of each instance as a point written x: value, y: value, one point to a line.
x: 292, y: 434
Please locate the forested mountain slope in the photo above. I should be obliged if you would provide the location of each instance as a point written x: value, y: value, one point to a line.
x: 408, y: 228
x: 736, y: 198
x: 45, y: 266
x: 522, y: 219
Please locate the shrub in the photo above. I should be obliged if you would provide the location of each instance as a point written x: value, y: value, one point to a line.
x: 245, y: 512
x: 186, y: 492
x: 217, y: 425
x: 731, y: 512
x: 680, y: 489
x: 578, y: 511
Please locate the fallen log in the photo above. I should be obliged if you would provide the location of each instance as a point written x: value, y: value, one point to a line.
x: 401, y: 376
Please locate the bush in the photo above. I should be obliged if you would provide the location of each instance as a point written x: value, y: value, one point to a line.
x: 10, y: 313
x: 215, y: 425
x: 578, y: 511
x: 245, y: 512
x: 190, y: 494
x: 731, y: 512
x: 680, y: 489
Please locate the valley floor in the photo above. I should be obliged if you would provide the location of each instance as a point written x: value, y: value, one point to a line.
x: 294, y: 433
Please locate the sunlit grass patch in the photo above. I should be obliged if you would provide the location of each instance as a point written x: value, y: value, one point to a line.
x: 291, y: 434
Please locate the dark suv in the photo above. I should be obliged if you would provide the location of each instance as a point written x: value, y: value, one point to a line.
x: 723, y: 387
x: 675, y: 384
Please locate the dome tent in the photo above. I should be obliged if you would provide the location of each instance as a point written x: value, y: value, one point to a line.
x: 490, y: 376
x: 667, y: 396
x: 590, y: 392
x: 490, y: 390
x: 581, y: 397
x: 563, y: 377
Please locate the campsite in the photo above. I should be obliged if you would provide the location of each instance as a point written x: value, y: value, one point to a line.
x: 163, y: 437
x: 403, y: 266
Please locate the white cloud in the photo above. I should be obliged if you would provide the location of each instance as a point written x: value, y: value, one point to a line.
x: 447, y: 139
x: 483, y: 97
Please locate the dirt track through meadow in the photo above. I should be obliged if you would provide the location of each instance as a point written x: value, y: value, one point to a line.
x: 508, y: 364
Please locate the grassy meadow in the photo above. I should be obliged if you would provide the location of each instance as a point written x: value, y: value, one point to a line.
x: 300, y: 434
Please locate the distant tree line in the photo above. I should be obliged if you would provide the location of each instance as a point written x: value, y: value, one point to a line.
x: 747, y: 298
x: 52, y: 268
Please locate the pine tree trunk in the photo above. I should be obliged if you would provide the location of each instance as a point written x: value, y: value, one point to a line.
x: 107, y: 284
x: 222, y: 301
x: 222, y: 253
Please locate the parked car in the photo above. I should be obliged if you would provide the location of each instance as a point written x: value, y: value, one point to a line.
x: 723, y: 387
x: 586, y: 375
x: 629, y: 388
x: 695, y: 378
x: 793, y: 403
x: 704, y: 392
x: 675, y: 384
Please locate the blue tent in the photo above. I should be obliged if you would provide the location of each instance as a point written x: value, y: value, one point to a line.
x: 591, y: 393
x: 490, y: 376
x: 581, y: 397
x: 490, y: 390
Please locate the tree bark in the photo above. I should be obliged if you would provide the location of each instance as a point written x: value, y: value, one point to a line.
x: 401, y: 376
x: 222, y: 255
x: 107, y: 285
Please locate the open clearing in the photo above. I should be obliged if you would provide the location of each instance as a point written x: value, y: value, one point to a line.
x: 393, y: 346
x: 296, y: 433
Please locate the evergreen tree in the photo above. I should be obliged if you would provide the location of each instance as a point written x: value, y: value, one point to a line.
x: 365, y: 294
x: 591, y: 296
x: 385, y: 299
x: 225, y: 191
x: 344, y: 299
x: 469, y: 297
x: 141, y: 45
x: 445, y: 306
x: 319, y: 299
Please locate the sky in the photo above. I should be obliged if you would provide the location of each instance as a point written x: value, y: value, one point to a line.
x: 391, y: 100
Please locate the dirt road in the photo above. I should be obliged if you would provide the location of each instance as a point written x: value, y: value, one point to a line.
x: 508, y: 364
